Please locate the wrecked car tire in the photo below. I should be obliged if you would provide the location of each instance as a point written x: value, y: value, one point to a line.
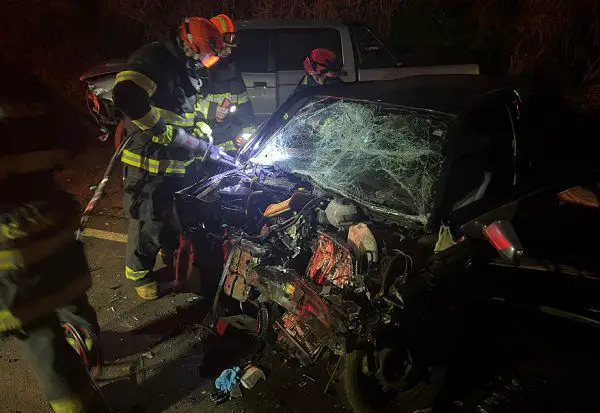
x: 350, y: 380
x: 363, y: 392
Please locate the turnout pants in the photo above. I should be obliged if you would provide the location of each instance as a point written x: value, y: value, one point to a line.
x: 144, y: 241
x: 38, y: 301
x: 148, y: 203
x: 61, y: 374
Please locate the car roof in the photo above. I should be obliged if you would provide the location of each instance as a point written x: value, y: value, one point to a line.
x: 453, y: 94
x: 287, y: 24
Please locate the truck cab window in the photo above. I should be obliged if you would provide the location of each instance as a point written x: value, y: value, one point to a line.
x: 252, y: 51
x: 371, y: 52
x: 291, y: 46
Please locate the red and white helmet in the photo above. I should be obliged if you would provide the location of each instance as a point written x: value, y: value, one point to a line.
x: 322, y: 61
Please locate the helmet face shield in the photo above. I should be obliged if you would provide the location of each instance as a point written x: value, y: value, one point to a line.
x: 206, y: 59
x: 230, y: 39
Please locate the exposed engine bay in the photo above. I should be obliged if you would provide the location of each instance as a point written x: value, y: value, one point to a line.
x: 319, y: 257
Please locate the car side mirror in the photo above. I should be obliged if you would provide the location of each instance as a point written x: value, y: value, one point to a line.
x: 502, y: 236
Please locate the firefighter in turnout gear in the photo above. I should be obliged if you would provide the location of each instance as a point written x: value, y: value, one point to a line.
x: 230, y: 127
x: 44, y: 274
x: 158, y: 92
x: 322, y: 68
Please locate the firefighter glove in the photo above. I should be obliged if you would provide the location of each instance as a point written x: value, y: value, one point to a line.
x: 202, y: 130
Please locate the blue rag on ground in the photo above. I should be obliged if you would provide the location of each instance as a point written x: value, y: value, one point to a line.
x: 228, y: 379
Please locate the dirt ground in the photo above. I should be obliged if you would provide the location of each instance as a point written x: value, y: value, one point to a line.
x: 173, y: 362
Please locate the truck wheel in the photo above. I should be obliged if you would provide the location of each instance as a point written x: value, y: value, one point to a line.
x: 364, y: 393
x: 124, y: 128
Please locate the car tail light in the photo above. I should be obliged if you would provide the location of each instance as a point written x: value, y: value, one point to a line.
x: 504, y: 239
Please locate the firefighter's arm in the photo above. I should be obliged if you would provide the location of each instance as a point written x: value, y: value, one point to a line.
x: 206, y: 111
x: 245, y: 115
x: 244, y: 111
x: 131, y: 94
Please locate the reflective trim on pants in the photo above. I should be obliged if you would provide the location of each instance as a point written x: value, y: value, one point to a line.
x: 67, y: 405
x: 134, y: 275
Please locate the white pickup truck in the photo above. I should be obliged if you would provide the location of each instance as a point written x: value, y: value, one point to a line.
x: 270, y: 54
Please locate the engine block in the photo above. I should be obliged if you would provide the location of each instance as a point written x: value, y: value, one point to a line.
x: 332, y: 262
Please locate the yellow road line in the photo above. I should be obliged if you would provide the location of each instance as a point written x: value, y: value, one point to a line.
x: 107, y: 235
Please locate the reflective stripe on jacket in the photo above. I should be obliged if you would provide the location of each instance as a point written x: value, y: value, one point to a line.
x: 156, y: 92
x: 226, y: 83
x: 155, y: 166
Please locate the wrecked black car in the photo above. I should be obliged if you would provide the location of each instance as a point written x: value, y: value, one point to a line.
x: 354, y: 205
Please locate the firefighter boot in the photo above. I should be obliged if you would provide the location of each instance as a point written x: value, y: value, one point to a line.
x: 148, y: 291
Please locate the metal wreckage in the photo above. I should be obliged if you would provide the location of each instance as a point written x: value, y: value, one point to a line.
x: 327, y: 234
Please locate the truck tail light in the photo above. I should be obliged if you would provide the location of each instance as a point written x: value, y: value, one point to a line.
x: 504, y: 239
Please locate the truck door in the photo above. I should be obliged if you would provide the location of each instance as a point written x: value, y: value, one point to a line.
x: 290, y: 48
x: 375, y: 62
x: 253, y: 60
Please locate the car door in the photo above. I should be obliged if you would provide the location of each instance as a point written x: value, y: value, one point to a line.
x: 557, y: 226
x: 558, y: 272
x: 482, y: 172
x: 253, y: 59
x: 479, y: 173
x: 290, y: 48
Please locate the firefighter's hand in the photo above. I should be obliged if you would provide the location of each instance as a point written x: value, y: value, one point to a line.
x: 221, y: 113
x: 201, y: 130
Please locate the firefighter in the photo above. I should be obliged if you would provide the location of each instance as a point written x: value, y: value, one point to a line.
x: 44, y: 274
x: 322, y: 68
x: 158, y: 92
x: 230, y: 127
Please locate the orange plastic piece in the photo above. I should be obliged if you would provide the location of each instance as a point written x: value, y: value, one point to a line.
x: 276, y: 209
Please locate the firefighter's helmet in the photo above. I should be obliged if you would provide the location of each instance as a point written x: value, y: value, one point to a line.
x: 322, y: 61
x: 226, y: 27
x: 203, y: 39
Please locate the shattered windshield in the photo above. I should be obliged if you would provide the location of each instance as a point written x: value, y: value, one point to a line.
x: 385, y: 156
